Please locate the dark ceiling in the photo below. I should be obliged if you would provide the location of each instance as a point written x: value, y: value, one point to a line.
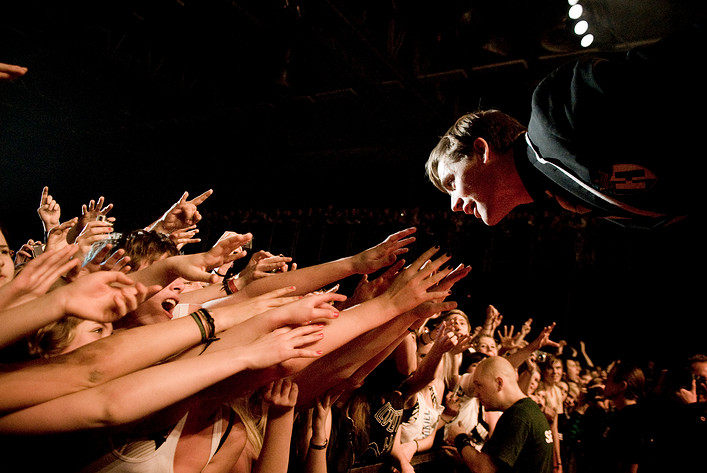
x: 278, y: 99
x: 285, y: 103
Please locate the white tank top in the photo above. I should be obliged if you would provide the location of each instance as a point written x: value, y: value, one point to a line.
x: 141, y: 456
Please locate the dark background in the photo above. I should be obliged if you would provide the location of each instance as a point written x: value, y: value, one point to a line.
x: 325, y: 107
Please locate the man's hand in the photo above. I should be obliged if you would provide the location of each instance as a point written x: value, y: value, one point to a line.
x: 183, y: 214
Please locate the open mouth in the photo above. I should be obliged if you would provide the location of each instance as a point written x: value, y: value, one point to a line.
x: 168, y: 305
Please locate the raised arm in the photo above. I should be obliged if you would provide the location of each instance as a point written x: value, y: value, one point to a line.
x: 195, y: 267
x: 49, y: 211
x: 37, y: 276
x: 425, y: 372
x: 136, y: 395
x: 181, y: 215
x: 124, y: 352
x: 542, y: 340
x: 93, y: 297
x: 281, y: 397
x: 312, y: 278
x: 363, y: 342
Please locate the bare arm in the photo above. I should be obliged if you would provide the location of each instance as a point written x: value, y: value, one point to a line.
x: 126, y: 351
x: 281, y: 396
x: 136, y: 395
x: 312, y: 278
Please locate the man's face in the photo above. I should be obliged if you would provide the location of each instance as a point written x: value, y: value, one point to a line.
x: 471, y: 187
x: 553, y: 373
x: 485, y: 389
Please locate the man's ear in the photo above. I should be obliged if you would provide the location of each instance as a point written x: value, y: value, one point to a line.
x: 481, y: 147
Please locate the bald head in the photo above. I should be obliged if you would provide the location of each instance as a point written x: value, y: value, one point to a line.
x: 496, y: 383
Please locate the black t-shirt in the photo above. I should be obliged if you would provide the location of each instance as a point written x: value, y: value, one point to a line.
x: 522, y: 439
x: 626, y: 438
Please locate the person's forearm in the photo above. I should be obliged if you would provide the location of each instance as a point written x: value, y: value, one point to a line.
x: 520, y: 355
x: 316, y: 457
x: 353, y: 360
x: 159, y: 273
x: 126, y: 399
x: 203, y: 295
x: 478, y: 462
x: 96, y: 363
x: 24, y: 319
x: 424, y: 374
x: 307, y: 279
x: 274, y: 457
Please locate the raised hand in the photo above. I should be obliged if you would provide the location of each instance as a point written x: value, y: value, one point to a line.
x: 38, y: 275
x: 103, y: 260
x: 94, y: 231
x: 543, y: 339
x: 508, y: 340
x: 445, y: 340
x: 307, y: 309
x: 58, y: 236
x: 281, y: 395
x: 89, y: 213
x: 261, y: 265
x: 283, y: 344
x: 49, y: 210
x: 197, y: 267
x: 366, y: 290
x: 184, y: 236
x: 234, y: 313
x: 182, y: 214
x: 385, y: 253
x: 105, y: 296
x: 415, y: 285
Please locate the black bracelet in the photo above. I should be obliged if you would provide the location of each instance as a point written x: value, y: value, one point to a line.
x: 207, y: 338
x: 461, y: 441
x: 197, y: 319
x: 318, y: 447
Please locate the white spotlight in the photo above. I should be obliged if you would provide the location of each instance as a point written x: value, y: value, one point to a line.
x: 581, y: 27
x: 587, y: 40
x: 575, y: 11
x: 572, y: 2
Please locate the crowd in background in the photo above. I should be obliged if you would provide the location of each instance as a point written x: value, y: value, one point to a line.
x: 124, y: 351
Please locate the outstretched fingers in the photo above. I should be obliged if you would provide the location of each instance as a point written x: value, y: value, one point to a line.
x: 301, y: 338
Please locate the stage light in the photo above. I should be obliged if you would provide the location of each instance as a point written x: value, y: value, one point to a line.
x: 581, y: 27
x: 587, y: 40
x: 575, y: 11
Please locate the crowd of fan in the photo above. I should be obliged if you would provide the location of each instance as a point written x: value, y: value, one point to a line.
x: 121, y: 352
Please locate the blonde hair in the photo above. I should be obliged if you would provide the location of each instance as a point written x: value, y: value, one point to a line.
x: 54, y: 338
x: 254, y: 417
